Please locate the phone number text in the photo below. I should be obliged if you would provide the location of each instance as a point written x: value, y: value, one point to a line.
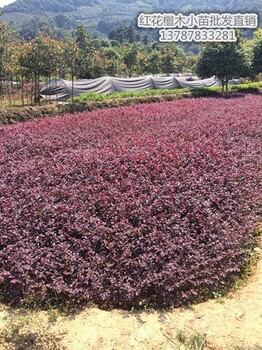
x: 197, y: 35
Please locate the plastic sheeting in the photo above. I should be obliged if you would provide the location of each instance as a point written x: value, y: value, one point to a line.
x: 60, y: 89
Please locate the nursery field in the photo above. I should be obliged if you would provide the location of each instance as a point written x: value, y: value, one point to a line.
x: 153, y: 205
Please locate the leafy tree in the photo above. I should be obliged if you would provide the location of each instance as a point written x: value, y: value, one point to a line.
x: 167, y: 63
x: 9, y: 68
x: 63, y: 21
x: 70, y: 59
x: 224, y: 60
x: 257, y: 52
x: 146, y: 40
x: 154, y: 62
x: 117, y: 33
x: 104, y: 26
x: 124, y: 33
x: 82, y: 39
x: 9, y: 60
x: 30, y: 28
x: 131, y: 34
x: 112, y: 60
x: 130, y: 58
x: 166, y: 58
x: 41, y: 57
x: 97, y: 65
x: 191, y: 61
x: 141, y: 64
x: 86, y: 56
x: 3, y: 44
x: 257, y: 59
x: 115, y: 43
x: 87, y: 53
x: 180, y: 64
x: 34, y: 6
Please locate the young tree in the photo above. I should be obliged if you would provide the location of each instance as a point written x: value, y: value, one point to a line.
x: 224, y: 60
x: 9, y: 63
x: 191, y: 61
x: 87, y: 52
x: 141, y: 64
x: 173, y: 59
x: 111, y: 60
x: 41, y: 57
x: 154, y: 62
x: 3, y: 46
x: 257, y: 52
x: 11, y: 66
x: 167, y: 62
x: 70, y: 61
x: 130, y: 58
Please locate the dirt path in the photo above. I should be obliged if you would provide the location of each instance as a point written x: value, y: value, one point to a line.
x: 235, y: 320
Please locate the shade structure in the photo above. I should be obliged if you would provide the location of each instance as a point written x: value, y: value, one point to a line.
x: 60, y: 89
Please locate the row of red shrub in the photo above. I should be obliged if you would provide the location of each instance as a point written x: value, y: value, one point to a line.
x: 146, y: 205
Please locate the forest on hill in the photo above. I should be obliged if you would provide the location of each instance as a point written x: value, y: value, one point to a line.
x: 101, y: 16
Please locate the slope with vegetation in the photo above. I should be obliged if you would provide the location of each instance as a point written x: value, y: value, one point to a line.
x: 25, y: 64
x: 91, y: 12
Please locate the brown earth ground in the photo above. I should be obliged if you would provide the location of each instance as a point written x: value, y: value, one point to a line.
x: 233, y: 322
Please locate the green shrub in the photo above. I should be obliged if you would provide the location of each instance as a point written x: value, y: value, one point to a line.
x: 195, y: 92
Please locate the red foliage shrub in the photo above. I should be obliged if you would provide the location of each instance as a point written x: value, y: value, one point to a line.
x: 152, y: 204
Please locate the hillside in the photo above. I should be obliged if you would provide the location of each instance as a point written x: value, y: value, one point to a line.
x: 111, y: 12
x: 57, y: 6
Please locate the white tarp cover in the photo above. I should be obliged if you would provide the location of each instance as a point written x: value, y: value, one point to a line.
x: 59, y: 89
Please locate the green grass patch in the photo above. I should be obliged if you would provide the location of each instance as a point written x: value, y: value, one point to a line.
x: 196, y: 92
x: 95, y: 96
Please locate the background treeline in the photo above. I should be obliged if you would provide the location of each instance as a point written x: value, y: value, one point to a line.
x: 26, y: 62
x: 102, y: 16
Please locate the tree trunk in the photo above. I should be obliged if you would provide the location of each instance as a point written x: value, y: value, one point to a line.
x: 38, y: 90
x: 35, y: 87
x: 9, y: 91
x: 32, y: 90
x: 223, y: 87
x: 72, y: 84
x: 49, y: 97
x: 22, y: 87
x: 226, y: 86
x: 12, y: 90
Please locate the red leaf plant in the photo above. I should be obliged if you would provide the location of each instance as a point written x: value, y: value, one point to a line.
x: 146, y: 205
